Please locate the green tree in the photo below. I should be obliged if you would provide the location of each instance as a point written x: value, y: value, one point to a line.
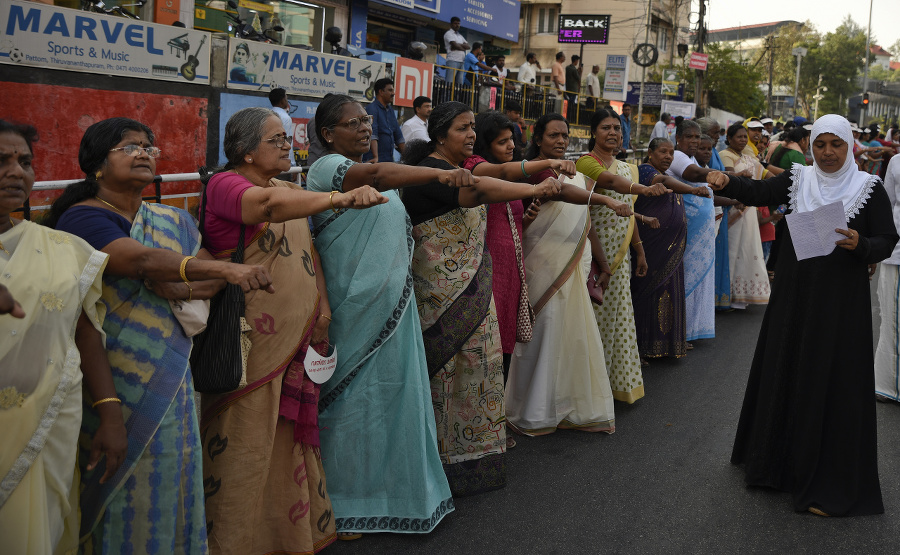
x: 733, y: 85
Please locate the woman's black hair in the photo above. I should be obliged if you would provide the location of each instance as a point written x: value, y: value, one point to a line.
x: 23, y: 130
x: 328, y: 114
x: 795, y: 135
x: 95, y: 145
x: 439, y: 123
x: 733, y: 129
x: 540, y: 126
x: 654, y: 145
x: 596, y: 118
x: 488, y: 126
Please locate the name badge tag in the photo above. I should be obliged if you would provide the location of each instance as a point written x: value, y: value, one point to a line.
x: 319, y: 368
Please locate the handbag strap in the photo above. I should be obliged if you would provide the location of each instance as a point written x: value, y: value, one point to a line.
x: 517, y: 242
x: 238, y: 255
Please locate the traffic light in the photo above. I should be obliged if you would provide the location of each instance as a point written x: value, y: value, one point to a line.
x: 865, y: 102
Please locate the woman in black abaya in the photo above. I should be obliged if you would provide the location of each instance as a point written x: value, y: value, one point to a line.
x: 807, y: 425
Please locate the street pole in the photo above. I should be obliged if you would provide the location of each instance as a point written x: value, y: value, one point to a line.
x: 862, y: 113
x: 643, y: 74
x: 701, y: 38
x: 799, y: 52
x: 770, y: 46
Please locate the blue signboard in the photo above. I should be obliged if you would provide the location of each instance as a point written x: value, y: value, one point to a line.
x: 497, y: 18
x: 653, y: 95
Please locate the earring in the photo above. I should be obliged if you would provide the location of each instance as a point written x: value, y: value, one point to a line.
x: 98, y: 175
x: 249, y: 160
x: 442, y: 142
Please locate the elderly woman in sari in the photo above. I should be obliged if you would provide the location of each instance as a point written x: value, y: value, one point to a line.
x: 375, y: 410
x: 452, y: 280
x: 746, y: 259
x: 152, y: 249
x: 615, y: 317
x: 54, y: 324
x: 558, y: 380
x: 808, y: 424
x: 659, y: 312
x: 266, y: 484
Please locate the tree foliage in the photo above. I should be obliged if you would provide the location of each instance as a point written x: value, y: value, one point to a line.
x: 732, y: 85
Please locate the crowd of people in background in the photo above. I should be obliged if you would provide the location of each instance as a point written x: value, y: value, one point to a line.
x: 487, y: 286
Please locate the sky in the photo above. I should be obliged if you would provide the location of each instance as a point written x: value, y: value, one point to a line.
x: 826, y: 15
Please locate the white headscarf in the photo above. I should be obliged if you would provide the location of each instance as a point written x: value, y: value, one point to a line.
x: 813, y: 187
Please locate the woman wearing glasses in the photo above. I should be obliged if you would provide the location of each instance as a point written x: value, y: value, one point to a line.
x: 375, y: 410
x: 155, y: 499
x: 261, y: 456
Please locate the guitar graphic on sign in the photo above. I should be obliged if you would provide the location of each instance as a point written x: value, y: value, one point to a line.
x: 189, y: 69
x: 370, y: 91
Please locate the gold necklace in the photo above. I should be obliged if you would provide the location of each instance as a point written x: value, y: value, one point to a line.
x: 114, y: 208
x: 446, y: 159
x: 602, y: 161
x: 12, y: 224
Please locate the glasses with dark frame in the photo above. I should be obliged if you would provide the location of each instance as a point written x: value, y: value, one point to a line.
x: 278, y: 140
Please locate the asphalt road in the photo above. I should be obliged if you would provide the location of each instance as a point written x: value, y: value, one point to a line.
x: 661, y: 484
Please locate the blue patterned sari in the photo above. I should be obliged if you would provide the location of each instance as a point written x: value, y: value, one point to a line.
x: 154, y: 503
x: 379, y: 443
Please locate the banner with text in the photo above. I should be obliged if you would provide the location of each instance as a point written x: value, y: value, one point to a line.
x: 616, y: 77
x: 255, y: 66
x: 38, y: 35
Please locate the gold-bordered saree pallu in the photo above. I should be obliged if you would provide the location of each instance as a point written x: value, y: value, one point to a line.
x: 452, y: 282
x: 558, y: 379
x: 262, y: 471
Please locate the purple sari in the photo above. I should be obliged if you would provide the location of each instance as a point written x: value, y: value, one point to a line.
x: 659, y: 297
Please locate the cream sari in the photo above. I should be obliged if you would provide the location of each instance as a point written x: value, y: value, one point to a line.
x: 54, y: 276
x: 559, y: 379
x: 749, y: 278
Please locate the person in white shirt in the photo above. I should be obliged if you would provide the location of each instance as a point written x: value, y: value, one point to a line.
x: 660, y: 129
x: 281, y: 106
x: 456, y: 46
x: 888, y: 352
x: 527, y: 73
x: 416, y: 127
x: 500, y: 69
x: 593, y: 88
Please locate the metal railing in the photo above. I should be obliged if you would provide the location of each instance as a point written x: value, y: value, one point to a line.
x: 486, y: 91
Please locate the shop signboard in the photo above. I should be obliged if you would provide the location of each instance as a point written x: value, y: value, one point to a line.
x: 301, y: 113
x: 497, y: 18
x: 699, y: 61
x: 585, y: 29
x: 39, y: 35
x: 256, y: 66
x: 653, y: 95
x: 412, y: 79
x: 616, y: 77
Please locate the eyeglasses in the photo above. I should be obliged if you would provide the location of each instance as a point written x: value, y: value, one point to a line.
x: 354, y: 123
x: 278, y: 140
x: 134, y: 150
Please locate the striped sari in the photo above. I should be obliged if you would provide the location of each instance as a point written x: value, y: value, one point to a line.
x: 154, y: 503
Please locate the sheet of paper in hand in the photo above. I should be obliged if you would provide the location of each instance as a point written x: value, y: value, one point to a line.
x: 813, y: 233
x: 319, y: 368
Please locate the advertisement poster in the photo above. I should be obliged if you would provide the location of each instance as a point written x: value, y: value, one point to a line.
x: 670, y: 82
x: 616, y: 78
x: 653, y: 95
x: 412, y: 80
x: 255, y: 66
x: 497, y: 18
x: 301, y: 113
x: 38, y: 35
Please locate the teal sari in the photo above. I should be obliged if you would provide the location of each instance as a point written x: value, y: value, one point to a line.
x: 378, y: 435
x: 154, y: 502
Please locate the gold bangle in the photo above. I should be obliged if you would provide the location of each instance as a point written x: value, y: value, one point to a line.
x: 106, y: 400
x: 181, y: 270
x: 630, y: 187
x: 331, y: 199
x: 190, y: 291
x: 327, y: 317
x: 638, y: 243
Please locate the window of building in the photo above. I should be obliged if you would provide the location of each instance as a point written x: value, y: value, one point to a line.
x: 547, y: 20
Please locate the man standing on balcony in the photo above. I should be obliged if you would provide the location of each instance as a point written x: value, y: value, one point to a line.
x: 456, y: 46
x: 558, y: 74
x: 527, y: 73
x: 385, y: 129
x: 593, y: 88
x: 573, y: 86
x: 500, y: 69
x: 473, y: 64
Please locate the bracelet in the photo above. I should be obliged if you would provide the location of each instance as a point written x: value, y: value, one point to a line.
x: 327, y: 317
x: 638, y: 243
x: 190, y: 291
x: 523, y: 169
x: 182, y: 268
x: 331, y: 199
x: 106, y: 400
x: 630, y: 187
x: 642, y: 217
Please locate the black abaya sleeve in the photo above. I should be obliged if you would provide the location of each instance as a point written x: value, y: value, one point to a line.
x: 758, y: 192
x: 877, y: 241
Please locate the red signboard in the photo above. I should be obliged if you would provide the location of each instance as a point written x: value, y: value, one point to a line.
x: 412, y: 79
x: 698, y: 61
